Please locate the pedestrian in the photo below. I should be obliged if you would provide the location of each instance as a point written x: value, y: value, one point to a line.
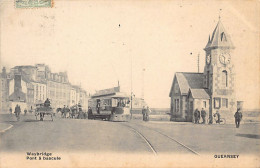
x: 98, y: 107
x: 147, y: 113
x: 17, y: 111
x: 64, y: 112
x: 203, y: 115
x: 238, y: 117
x: 196, y: 116
x: 10, y: 110
x: 143, y: 112
x: 218, y: 117
x: 25, y: 111
x: 90, y: 114
x: 210, y: 119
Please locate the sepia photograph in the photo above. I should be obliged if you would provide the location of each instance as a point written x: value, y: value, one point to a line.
x: 134, y: 83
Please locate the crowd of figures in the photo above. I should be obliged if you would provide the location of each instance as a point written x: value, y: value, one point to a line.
x: 146, y: 112
x: 75, y: 112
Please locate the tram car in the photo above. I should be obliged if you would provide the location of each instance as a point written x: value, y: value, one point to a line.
x: 113, y: 107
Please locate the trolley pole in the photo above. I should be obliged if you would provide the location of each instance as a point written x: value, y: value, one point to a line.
x: 131, y: 86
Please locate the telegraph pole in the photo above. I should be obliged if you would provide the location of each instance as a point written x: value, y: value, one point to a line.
x: 143, y: 70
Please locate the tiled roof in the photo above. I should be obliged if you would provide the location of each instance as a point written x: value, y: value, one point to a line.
x: 219, y: 38
x: 187, y: 80
x: 199, y: 93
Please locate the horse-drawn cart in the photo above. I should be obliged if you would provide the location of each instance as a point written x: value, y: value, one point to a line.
x: 41, y: 111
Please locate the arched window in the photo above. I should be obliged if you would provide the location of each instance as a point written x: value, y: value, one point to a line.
x: 223, y: 37
x: 225, y: 78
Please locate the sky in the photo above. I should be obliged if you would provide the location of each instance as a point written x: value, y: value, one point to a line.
x: 84, y: 39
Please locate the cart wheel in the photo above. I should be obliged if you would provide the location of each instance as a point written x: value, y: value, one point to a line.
x: 222, y: 121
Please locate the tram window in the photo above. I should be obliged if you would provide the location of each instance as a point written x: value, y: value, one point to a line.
x: 114, y: 102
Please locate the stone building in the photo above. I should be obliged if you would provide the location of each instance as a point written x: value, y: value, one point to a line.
x: 29, y: 85
x: 21, y: 92
x: 213, y: 89
x: 3, y: 90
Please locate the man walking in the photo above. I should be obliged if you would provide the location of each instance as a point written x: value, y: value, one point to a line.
x: 143, y: 112
x: 196, y: 116
x: 218, y: 117
x: 198, y: 120
x: 238, y: 117
x: 148, y: 111
x: 25, y: 111
x: 10, y: 110
x: 17, y: 112
x: 203, y: 115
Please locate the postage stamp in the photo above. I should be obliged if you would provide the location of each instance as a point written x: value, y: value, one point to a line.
x: 33, y: 3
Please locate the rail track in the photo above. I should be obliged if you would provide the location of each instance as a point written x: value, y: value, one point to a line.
x: 151, y: 146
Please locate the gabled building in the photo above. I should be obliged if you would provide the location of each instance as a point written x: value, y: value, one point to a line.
x: 213, y: 89
x: 182, y: 83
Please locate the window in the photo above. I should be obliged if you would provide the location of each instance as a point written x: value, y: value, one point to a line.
x: 223, y: 37
x: 177, y: 106
x: 204, y: 104
x: 217, y: 103
x: 176, y: 88
x: 224, y: 78
x: 225, y: 102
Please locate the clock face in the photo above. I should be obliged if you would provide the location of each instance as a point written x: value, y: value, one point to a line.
x: 208, y: 58
x: 224, y: 58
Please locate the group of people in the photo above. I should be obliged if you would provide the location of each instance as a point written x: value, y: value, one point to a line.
x: 198, y: 114
x: 15, y: 111
x: 73, y: 112
x: 146, y: 112
x: 202, y: 114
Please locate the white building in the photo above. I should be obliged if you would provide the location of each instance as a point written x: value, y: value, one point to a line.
x: 40, y: 92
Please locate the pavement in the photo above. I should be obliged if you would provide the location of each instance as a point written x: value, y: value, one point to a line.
x: 136, y: 136
x: 4, y: 127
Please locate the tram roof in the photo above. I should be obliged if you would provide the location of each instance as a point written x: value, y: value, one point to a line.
x: 112, y: 95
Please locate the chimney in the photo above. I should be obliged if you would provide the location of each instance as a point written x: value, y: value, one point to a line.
x: 17, y: 82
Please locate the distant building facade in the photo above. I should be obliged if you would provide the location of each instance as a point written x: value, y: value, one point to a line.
x: 31, y: 85
x: 3, y: 90
x: 212, y: 90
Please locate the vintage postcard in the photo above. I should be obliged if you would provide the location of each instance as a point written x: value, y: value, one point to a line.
x: 170, y: 83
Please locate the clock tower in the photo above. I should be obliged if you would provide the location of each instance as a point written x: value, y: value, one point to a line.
x: 219, y: 79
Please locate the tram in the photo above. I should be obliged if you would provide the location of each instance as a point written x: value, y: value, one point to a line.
x: 112, y: 107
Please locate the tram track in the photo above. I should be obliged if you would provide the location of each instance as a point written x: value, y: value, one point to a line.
x: 144, y: 138
x: 163, y: 134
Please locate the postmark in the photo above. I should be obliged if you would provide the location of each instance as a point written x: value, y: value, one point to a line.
x: 33, y: 3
